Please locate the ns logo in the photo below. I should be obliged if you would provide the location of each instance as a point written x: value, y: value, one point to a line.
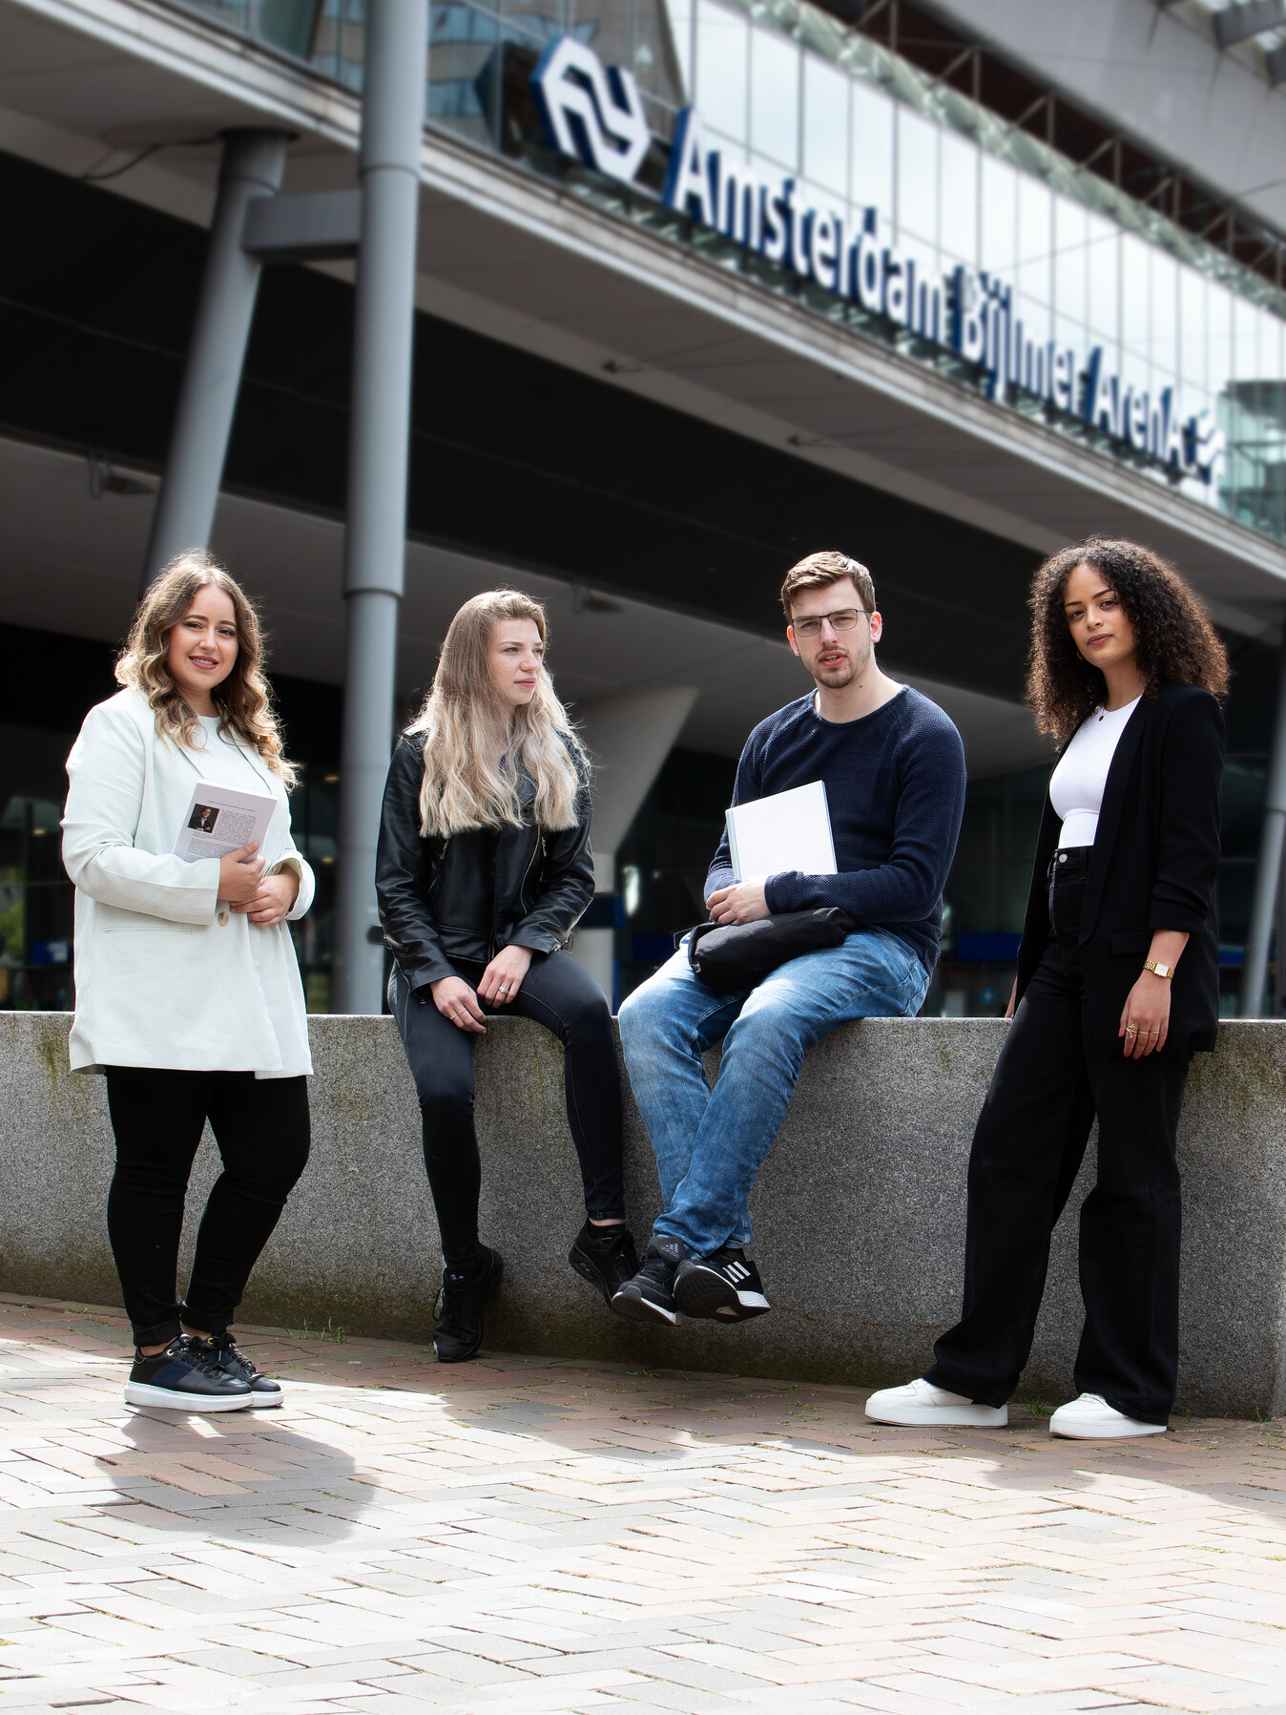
x: 591, y: 111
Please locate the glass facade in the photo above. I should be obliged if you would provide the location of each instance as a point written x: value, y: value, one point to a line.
x: 859, y: 129
x: 789, y: 91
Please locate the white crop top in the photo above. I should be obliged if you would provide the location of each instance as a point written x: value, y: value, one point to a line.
x: 1076, y: 785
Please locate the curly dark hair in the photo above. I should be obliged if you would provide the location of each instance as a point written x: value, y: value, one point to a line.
x: 1175, y: 641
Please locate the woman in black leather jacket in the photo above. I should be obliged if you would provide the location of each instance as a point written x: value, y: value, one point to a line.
x: 483, y: 870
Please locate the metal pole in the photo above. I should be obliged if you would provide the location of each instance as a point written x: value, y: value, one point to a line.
x: 375, y: 541
x: 1269, y: 870
x: 252, y: 166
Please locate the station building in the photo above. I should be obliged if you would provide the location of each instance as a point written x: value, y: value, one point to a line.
x: 702, y: 285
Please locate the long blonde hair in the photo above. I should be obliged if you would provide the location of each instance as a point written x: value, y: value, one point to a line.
x: 243, y: 700
x: 468, y: 729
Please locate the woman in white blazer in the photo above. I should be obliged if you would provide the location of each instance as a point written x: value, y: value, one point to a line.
x: 188, y: 995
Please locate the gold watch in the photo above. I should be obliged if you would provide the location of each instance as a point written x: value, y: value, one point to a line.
x: 1158, y: 968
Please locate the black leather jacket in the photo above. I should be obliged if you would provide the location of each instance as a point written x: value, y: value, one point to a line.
x: 464, y: 898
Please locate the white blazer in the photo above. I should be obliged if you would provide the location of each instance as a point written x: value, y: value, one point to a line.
x: 163, y: 977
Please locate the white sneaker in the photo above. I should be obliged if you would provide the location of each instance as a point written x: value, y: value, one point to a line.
x: 919, y: 1402
x: 1091, y: 1418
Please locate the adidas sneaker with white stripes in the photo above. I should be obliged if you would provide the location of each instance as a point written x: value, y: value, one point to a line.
x: 725, y: 1287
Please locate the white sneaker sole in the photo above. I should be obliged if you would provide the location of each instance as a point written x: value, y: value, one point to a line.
x: 167, y: 1399
x: 266, y: 1401
x: 635, y: 1308
x: 940, y: 1416
x: 751, y: 1304
x: 1127, y: 1430
x: 705, y: 1295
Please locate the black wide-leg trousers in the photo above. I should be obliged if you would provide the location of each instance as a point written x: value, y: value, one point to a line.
x: 558, y: 994
x: 1061, y: 1066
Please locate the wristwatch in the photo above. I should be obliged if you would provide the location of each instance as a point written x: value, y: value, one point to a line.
x: 1158, y: 968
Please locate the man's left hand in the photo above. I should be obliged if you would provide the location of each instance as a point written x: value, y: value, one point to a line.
x: 744, y: 902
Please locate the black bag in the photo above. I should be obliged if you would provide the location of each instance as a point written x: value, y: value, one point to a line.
x: 733, y: 956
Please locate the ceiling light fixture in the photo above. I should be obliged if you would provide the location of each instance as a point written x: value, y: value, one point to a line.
x: 103, y: 479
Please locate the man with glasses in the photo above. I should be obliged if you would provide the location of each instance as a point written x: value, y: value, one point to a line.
x: 893, y: 767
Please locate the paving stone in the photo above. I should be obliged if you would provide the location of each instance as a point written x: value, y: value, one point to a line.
x: 564, y: 1535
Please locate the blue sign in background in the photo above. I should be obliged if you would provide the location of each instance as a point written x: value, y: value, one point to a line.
x: 595, y: 114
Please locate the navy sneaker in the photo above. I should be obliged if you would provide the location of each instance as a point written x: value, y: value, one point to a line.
x: 457, y: 1331
x: 185, y: 1377
x: 649, y: 1296
x: 725, y: 1287
x: 604, y: 1256
x: 225, y: 1351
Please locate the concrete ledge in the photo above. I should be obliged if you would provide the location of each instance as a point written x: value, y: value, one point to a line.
x: 859, y: 1211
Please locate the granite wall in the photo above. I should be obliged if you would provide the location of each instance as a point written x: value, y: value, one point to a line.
x: 858, y: 1212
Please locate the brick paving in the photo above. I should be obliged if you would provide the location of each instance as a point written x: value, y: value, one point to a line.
x: 527, y: 1534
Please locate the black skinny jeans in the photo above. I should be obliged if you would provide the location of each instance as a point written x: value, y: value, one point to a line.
x: 557, y: 993
x: 261, y: 1126
x: 1052, y: 1077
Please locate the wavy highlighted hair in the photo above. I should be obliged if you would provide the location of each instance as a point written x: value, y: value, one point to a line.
x: 468, y: 729
x: 1175, y: 642
x: 243, y: 701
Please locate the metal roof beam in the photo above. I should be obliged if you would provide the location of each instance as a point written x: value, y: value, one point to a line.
x: 1238, y: 23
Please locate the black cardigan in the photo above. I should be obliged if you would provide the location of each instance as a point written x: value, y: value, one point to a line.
x: 1152, y: 866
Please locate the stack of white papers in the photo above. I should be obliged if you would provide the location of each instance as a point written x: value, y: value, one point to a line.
x: 787, y: 830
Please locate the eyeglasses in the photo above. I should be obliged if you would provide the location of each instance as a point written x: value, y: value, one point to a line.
x: 843, y: 619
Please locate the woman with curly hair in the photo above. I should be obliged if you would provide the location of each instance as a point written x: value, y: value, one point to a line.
x: 1116, y: 988
x: 483, y: 870
x: 188, y: 995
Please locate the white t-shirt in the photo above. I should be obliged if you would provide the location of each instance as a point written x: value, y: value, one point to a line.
x: 1076, y: 785
x: 222, y: 761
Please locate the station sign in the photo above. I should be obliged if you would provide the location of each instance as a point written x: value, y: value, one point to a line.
x: 594, y: 114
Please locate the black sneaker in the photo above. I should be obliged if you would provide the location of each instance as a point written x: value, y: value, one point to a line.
x: 457, y: 1332
x: 234, y: 1362
x: 604, y: 1256
x: 649, y: 1296
x: 185, y: 1377
x: 724, y: 1286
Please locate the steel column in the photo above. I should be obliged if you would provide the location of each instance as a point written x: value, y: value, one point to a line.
x: 1268, y: 873
x: 252, y: 166
x: 375, y: 540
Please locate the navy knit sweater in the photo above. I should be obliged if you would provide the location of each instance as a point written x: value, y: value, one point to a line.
x: 895, y: 786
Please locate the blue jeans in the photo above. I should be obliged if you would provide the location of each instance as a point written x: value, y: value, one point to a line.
x: 710, y: 1144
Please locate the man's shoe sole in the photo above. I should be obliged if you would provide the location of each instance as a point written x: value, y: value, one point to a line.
x: 170, y: 1399
x: 942, y: 1416
x: 700, y: 1292
x: 266, y: 1401
x: 635, y: 1308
